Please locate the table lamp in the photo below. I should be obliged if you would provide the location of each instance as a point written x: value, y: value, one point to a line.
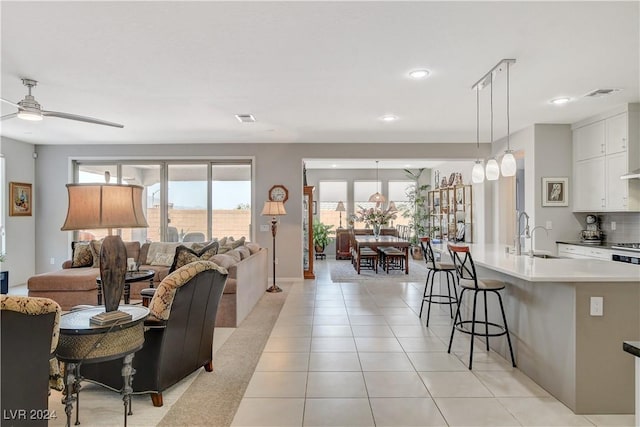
x: 274, y: 209
x: 340, y: 208
x: 109, y: 206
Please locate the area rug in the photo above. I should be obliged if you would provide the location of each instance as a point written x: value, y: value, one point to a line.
x: 343, y: 271
x: 213, y: 398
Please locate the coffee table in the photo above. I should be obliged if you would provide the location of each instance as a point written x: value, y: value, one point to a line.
x: 132, y: 276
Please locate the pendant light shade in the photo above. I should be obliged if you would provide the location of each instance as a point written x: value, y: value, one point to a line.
x: 377, y: 197
x: 508, y: 164
x: 493, y: 170
x: 477, y: 174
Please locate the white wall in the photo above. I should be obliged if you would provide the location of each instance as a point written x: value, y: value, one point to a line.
x: 20, y: 230
x: 275, y: 164
x: 547, y: 153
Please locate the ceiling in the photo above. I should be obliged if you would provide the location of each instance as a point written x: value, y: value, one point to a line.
x: 178, y: 72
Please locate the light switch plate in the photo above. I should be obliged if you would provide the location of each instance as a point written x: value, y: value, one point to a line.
x: 613, y: 225
x: 597, y: 306
x: 264, y: 227
x: 549, y: 225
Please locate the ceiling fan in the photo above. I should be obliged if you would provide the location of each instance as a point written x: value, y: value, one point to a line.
x: 30, y: 109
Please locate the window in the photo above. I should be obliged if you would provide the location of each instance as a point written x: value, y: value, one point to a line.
x: 231, y: 196
x: 362, y: 190
x: 398, y: 194
x: 332, y: 192
x: 185, y: 201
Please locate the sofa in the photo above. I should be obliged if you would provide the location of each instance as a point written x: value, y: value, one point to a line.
x: 246, y: 283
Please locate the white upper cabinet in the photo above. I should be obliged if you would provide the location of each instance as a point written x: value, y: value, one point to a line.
x: 617, y: 133
x: 604, y: 148
x: 588, y: 141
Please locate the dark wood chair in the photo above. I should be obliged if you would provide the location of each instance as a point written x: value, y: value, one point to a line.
x: 362, y: 257
x: 178, y: 335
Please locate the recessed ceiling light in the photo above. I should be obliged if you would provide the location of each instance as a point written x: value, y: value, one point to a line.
x: 419, y: 74
x: 389, y: 118
x: 560, y: 101
x: 334, y: 165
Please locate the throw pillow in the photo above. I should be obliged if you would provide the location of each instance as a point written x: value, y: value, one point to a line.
x: 82, y: 256
x: 231, y: 244
x: 95, y: 246
x: 162, y: 259
x: 184, y: 255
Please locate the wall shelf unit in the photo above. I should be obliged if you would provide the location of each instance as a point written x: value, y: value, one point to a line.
x: 451, y: 213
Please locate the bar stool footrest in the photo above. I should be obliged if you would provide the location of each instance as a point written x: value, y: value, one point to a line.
x: 459, y: 327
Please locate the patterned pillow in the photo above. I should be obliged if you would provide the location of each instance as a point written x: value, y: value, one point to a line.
x: 95, y: 246
x: 160, y: 305
x: 82, y: 256
x: 231, y: 244
x: 184, y: 255
x: 162, y: 259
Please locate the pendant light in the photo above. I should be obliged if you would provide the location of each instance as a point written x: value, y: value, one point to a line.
x: 477, y: 174
x: 508, y: 165
x: 377, y: 197
x: 493, y: 171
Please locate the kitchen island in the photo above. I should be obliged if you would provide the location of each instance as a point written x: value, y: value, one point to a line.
x: 575, y: 356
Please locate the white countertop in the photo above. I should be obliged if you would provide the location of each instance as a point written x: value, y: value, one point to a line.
x: 534, y: 269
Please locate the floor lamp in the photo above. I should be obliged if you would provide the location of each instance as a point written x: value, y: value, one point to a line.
x: 100, y: 206
x: 274, y: 209
x: 340, y: 208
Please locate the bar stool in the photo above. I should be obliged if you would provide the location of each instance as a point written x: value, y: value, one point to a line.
x: 468, y: 281
x: 434, y: 267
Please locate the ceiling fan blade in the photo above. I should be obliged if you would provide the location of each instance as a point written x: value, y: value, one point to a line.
x: 80, y: 118
x: 9, y: 116
x: 11, y: 103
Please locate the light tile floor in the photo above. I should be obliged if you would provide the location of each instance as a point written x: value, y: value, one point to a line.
x: 351, y: 354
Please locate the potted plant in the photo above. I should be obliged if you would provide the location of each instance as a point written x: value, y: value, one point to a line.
x: 417, y: 210
x: 321, y: 236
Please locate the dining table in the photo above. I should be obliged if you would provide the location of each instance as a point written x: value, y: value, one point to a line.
x: 373, y: 242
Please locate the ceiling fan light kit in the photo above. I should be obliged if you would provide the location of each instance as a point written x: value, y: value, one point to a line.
x: 30, y: 109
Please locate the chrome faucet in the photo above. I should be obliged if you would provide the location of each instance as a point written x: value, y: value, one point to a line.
x: 526, y: 231
x: 537, y: 227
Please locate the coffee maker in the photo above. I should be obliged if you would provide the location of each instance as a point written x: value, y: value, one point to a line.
x: 592, y: 233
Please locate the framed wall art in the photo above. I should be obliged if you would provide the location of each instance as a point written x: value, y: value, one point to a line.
x: 555, y: 191
x: 20, y: 199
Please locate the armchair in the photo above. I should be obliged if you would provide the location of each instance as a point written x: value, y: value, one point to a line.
x: 29, y: 337
x: 178, y: 335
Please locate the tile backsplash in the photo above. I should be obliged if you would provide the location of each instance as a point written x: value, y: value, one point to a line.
x: 627, y: 226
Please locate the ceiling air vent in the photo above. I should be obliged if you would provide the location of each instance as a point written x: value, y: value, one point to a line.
x: 245, y: 118
x: 601, y: 92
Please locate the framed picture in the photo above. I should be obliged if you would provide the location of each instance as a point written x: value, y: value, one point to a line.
x: 555, y: 191
x: 20, y: 201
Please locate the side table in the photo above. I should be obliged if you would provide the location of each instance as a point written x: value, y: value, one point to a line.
x: 82, y: 342
x: 132, y: 276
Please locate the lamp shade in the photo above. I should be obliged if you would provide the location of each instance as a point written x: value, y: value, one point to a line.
x: 392, y: 206
x: 493, y: 170
x: 93, y: 206
x: 508, y: 165
x: 340, y: 207
x: 377, y: 198
x: 477, y: 174
x: 273, y: 209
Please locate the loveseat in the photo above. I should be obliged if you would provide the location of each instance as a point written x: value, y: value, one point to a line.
x: 246, y: 282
